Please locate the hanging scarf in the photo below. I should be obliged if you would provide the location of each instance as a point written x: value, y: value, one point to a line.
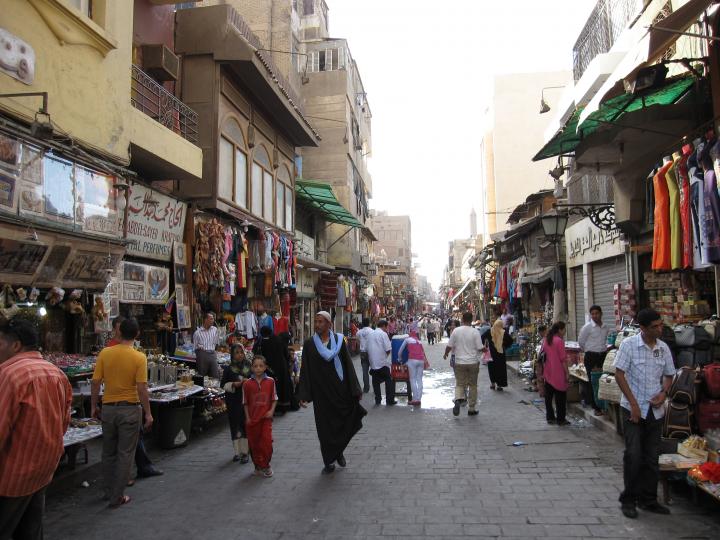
x: 332, y: 353
x: 498, y: 333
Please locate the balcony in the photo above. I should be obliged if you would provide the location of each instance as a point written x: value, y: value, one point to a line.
x: 148, y: 96
x: 607, y: 21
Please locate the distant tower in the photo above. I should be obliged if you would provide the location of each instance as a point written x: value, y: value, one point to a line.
x: 473, y: 223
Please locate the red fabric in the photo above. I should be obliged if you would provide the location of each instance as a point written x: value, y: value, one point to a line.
x: 34, y: 414
x: 281, y: 325
x: 685, y: 217
x: 661, y: 239
x: 258, y: 398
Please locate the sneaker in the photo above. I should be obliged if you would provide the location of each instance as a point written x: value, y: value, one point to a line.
x: 655, y: 508
x: 456, y: 408
x: 267, y: 473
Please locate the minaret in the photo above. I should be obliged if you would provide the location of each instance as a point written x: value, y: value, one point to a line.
x: 473, y: 223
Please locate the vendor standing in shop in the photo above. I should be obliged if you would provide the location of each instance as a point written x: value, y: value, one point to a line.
x: 205, y: 339
x: 593, y: 341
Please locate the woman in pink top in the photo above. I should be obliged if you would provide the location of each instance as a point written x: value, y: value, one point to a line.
x: 555, y: 374
x: 416, y: 365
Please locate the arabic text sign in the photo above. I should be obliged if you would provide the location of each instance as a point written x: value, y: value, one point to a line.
x: 155, y: 221
x: 586, y: 243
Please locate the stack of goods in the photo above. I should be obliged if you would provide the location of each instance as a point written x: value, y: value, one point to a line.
x: 624, y: 303
x: 72, y: 364
x: 693, y: 346
x: 678, y: 297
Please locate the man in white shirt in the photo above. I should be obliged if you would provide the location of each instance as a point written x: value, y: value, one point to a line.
x: 593, y: 341
x: 466, y: 345
x: 644, y: 371
x: 205, y: 339
x: 378, y: 351
x: 362, y: 336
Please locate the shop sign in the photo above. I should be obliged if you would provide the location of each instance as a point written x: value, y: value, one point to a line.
x: 306, y: 282
x: 586, y: 243
x: 155, y: 221
x: 20, y: 257
x: 144, y: 284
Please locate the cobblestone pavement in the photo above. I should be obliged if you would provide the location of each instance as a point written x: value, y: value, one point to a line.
x: 418, y: 473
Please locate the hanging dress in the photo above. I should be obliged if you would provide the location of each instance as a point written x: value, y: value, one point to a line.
x: 685, y: 219
x: 674, y: 209
x: 661, y: 238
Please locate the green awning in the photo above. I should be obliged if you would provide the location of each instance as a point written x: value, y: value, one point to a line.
x: 612, y: 110
x: 320, y: 196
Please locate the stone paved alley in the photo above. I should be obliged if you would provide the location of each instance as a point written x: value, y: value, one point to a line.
x: 419, y: 473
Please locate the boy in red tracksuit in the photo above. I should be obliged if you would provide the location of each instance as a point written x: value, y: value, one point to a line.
x: 259, y: 399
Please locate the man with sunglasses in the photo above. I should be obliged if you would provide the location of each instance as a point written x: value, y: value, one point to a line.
x: 35, y: 399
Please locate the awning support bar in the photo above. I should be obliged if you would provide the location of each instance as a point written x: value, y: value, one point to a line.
x: 689, y: 34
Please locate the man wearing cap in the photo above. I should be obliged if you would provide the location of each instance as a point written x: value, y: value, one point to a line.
x: 328, y: 380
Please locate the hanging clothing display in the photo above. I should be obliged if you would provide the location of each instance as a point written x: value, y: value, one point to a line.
x: 246, y: 324
x: 661, y: 238
x: 697, y: 208
x: 685, y: 214
x: 712, y: 204
x: 674, y: 210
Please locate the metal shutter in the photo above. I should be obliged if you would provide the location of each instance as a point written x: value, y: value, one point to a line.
x: 579, y: 302
x: 605, y: 274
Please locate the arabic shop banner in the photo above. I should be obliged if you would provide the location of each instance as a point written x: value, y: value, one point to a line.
x: 155, y: 221
x: 585, y: 243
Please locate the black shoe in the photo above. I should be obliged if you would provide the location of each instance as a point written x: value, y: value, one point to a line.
x: 244, y: 458
x: 552, y: 421
x: 393, y: 402
x: 236, y: 457
x: 341, y: 460
x: 473, y: 413
x: 147, y: 473
x: 655, y: 508
x: 456, y: 408
x: 629, y: 511
x: 366, y: 390
x: 328, y: 469
x: 499, y: 388
x: 563, y: 423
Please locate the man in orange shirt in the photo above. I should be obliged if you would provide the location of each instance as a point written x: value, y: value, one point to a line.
x: 34, y: 414
x: 124, y: 372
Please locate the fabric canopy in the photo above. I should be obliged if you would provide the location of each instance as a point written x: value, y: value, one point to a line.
x: 612, y: 111
x: 538, y: 276
x: 320, y: 196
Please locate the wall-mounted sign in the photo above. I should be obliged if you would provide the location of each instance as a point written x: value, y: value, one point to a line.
x: 585, y: 243
x: 155, y: 221
x: 17, y: 58
x: 144, y: 284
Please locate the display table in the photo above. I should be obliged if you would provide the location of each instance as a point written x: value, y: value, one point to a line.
x: 670, y: 464
x: 171, y: 392
x: 75, y: 438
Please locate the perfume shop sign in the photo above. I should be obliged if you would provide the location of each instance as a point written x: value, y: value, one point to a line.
x: 155, y: 221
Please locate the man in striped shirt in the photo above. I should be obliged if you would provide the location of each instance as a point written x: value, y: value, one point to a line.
x: 34, y: 414
x: 205, y: 339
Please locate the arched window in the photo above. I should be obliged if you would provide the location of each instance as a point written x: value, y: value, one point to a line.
x: 284, y: 199
x: 262, y: 184
x: 232, y: 163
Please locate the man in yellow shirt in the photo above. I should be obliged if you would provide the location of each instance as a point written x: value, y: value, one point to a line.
x: 124, y: 372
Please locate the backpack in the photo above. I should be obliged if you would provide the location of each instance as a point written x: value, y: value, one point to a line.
x: 677, y: 424
x: 684, y: 387
x: 711, y: 376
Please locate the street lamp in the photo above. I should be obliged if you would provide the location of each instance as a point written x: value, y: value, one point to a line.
x: 554, y: 225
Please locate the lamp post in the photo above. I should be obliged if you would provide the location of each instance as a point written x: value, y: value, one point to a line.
x: 554, y: 224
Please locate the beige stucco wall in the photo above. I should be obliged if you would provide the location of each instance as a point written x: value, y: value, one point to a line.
x: 517, y: 135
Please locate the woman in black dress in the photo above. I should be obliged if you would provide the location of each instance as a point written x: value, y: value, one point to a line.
x: 498, y: 339
x: 233, y: 377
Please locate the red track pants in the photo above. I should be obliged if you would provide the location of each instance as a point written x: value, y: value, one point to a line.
x: 260, y: 439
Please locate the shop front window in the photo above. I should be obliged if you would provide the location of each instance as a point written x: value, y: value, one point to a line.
x: 267, y: 196
x: 256, y: 189
x: 232, y: 163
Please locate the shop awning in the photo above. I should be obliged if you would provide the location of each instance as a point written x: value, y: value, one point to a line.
x: 537, y: 276
x: 652, y: 44
x: 462, y: 289
x: 320, y: 197
x: 611, y: 112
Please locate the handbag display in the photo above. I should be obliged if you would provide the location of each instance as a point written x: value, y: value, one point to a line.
x: 712, y: 327
x: 708, y: 412
x: 609, y: 363
x: 687, y: 335
x: 684, y: 386
x: 678, y: 421
x: 711, y: 378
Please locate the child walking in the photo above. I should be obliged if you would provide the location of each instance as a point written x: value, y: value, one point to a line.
x: 259, y: 399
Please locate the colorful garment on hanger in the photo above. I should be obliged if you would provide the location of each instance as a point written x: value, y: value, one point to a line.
x: 661, y: 239
x: 697, y: 210
x: 674, y: 209
x: 685, y: 214
x: 712, y: 205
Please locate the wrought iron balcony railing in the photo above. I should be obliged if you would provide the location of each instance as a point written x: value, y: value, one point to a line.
x: 150, y: 97
x: 606, y: 22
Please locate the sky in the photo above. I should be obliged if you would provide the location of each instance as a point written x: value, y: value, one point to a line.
x: 427, y: 67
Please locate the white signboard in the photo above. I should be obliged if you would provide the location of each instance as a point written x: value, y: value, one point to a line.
x: 155, y: 221
x: 585, y: 243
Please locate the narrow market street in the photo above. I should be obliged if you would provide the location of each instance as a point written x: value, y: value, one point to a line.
x: 418, y: 473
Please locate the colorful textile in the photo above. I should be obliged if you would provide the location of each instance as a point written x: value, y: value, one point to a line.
x: 661, y: 239
x: 674, y: 210
x: 685, y: 214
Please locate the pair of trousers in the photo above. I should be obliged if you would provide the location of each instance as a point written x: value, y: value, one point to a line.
x: 206, y: 363
x: 380, y: 376
x: 415, y: 371
x: 431, y: 337
x: 142, y: 460
x: 365, y: 365
x: 592, y: 361
x: 121, y: 427
x: 640, y: 461
x: 259, y: 435
x: 560, y: 397
x: 21, y: 517
x: 466, y: 379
